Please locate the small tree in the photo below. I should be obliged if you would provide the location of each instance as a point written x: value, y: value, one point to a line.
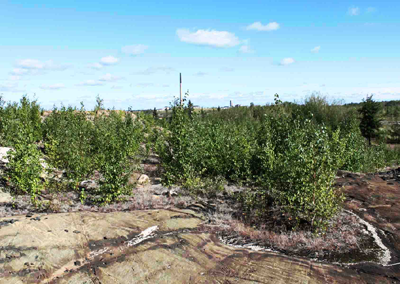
x: 190, y: 108
x: 370, y: 121
x: 99, y: 104
x: 155, y: 114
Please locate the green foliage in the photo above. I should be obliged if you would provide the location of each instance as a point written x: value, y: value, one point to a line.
x: 68, y: 138
x: 116, y: 139
x: 190, y: 107
x: 20, y: 127
x: 290, y: 152
x: 24, y: 169
x: 17, y: 118
x: 155, y: 114
x: 297, y: 163
x: 394, y: 133
x: 293, y: 160
x: 99, y: 104
x: 195, y: 147
x: 81, y: 146
x: 370, y: 121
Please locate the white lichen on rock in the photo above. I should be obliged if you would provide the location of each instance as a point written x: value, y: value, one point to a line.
x: 146, y: 234
x: 385, y: 255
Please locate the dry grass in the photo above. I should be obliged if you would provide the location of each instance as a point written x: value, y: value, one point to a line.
x: 342, y: 235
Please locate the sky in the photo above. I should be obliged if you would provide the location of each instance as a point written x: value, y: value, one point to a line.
x: 130, y: 53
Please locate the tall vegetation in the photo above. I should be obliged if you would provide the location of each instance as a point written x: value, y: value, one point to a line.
x: 79, y: 142
x: 20, y: 128
x: 287, y: 152
x: 370, y: 121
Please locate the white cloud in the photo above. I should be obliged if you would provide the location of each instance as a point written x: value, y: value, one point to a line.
x: 19, y: 71
x: 52, y: 87
x: 33, y: 64
x: 109, y: 78
x: 353, y: 11
x: 134, y: 49
x: 10, y: 87
x: 96, y: 66
x: 316, y: 49
x: 287, y: 61
x: 30, y: 64
x: 50, y: 65
x: 371, y: 10
x: 208, y: 37
x: 109, y: 60
x: 273, y: 26
x: 14, y: 77
x: 246, y: 49
x: 90, y: 83
x: 116, y: 87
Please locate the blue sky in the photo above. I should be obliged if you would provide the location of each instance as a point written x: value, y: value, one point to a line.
x: 130, y: 52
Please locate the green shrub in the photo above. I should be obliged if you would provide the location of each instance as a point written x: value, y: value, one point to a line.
x: 195, y: 147
x: 394, y: 133
x: 24, y: 169
x: 116, y: 139
x: 16, y: 118
x: 68, y: 138
x: 361, y: 157
x: 297, y: 166
x: 81, y: 146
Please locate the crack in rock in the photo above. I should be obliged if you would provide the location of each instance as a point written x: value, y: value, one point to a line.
x: 76, y: 264
x: 385, y: 255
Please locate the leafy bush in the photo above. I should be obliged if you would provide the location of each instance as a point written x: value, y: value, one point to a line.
x: 394, y: 133
x: 24, y: 169
x: 80, y: 146
x: 116, y: 139
x: 196, y: 147
x: 20, y: 127
x: 295, y: 161
x: 17, y: 118
x: 68, y: 138
x: 297, y: 165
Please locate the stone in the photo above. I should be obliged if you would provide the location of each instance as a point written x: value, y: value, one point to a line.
x: 135, y: 250
x: 158, y: 189
x: 5, y: 197
x: 3, y: 154
x: 89, y: 184
x: 133, y: 178
x: 143, y: 179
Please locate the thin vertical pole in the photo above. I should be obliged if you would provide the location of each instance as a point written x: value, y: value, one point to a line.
x: 180, y: 88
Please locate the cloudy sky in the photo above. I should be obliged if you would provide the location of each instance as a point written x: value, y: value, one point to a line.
x: 131, y: 52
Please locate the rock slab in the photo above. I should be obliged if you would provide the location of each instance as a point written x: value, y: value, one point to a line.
x: 149, y: 246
